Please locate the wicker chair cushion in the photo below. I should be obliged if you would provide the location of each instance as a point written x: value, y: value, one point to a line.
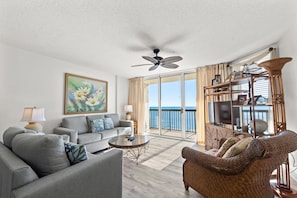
x: 226, y: 145
x: 238, y: 147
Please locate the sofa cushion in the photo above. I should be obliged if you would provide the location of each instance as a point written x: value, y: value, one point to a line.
x: 115, y: 118
x: 238, y: 147
x: 108, y: 123
x: 44, y: 153
x: 109, y: 133
x: 11, y: 132
x: 96, y: 125
x: 78, y: 123
x: 87, y: 138
x: 75, y: 152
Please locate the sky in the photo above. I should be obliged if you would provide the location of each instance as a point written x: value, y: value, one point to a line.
x: 170, y: 94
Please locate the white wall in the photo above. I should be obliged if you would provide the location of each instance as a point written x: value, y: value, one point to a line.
x: 29, y: 79
x: 288, y: 48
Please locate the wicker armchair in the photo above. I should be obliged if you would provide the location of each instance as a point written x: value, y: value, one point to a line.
x: 245, y: 175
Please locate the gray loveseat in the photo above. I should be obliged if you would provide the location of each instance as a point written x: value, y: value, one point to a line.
x: 79, y: 130
x: 100, y: 176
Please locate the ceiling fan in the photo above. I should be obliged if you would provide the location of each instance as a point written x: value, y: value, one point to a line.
x: 157, y: 61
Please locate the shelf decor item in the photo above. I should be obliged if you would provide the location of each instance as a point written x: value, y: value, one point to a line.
x: 241, y: 99
x: 238, y: 75
x: 274, y: 67
x: 218, y: 78
x: 261, y: 126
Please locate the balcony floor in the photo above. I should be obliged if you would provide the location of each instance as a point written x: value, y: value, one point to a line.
x: 191, y: 136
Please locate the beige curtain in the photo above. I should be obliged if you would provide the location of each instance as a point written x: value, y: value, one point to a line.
x: 136, y: 99
x: 204, y: 78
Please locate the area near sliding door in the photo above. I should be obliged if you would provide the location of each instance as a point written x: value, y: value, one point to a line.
x: 171, y: 105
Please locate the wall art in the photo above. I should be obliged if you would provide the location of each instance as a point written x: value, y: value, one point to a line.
x: 84, y: 95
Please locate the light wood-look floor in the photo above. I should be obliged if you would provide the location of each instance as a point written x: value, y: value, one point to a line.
x: 145, y: 181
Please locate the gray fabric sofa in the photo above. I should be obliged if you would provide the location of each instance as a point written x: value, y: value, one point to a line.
x: 78, y: 128
x: 98, y: 176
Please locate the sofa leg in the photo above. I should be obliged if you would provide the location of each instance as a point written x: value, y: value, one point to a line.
x: 186, y: 187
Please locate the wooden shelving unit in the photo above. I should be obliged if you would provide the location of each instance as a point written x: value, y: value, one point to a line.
x: 229, y: 91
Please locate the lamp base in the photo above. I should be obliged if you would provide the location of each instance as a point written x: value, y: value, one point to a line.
x: 128, y: 116
x: 34, y: 126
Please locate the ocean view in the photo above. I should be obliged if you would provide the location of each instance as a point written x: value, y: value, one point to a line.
x: 171, y: 118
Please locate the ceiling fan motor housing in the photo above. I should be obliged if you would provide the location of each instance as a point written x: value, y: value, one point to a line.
x: 158, y: 58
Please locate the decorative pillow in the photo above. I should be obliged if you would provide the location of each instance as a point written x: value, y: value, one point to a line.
x: 93, y: 117
x: 108, y: 123
x: 76, y: 152
x: 238, y: 147
x: 44, y: 153
x: 226, y: 145
x: 115, y: 119
x: 97, y: 125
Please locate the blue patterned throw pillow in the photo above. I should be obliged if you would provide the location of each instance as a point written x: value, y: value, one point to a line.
x: 97, y: 125
x: 108, y: 123
x: 75, y: 152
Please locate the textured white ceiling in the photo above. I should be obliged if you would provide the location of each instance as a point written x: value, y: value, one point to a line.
x: 112, y: 35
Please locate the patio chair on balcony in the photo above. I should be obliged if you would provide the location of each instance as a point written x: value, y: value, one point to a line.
x: 245, y: 175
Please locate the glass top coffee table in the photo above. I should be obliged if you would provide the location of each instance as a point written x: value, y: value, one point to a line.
x: 135, y: 145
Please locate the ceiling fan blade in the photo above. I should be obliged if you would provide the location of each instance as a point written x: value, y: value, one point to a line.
x: 153, y: 67
x: 170, y: 66
x: 151, y: 59
x: 171, y: 59
x: 140, y: 65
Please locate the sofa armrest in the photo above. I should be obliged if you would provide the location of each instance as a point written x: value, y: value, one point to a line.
x: 227, y: 166
x: 65, y: 131
x: 100, y: 176
x: 126, y: 123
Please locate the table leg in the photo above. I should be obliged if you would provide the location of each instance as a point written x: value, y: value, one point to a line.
x: 134, y: 153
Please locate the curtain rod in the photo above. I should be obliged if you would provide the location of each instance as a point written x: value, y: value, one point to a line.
x: 270, y: 48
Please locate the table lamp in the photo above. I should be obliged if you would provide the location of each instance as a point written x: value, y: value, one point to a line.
x: 33, y: 115
x: 128, y: 109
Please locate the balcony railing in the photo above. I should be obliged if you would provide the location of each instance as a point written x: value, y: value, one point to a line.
x: 171, y: 118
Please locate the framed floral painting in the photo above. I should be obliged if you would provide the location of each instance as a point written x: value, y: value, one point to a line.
x: 84, y: 95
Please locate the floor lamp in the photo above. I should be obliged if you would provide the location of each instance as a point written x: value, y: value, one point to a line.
x: 274, y: 67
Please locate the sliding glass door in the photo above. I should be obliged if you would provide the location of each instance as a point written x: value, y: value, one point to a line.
x: 171, y: 105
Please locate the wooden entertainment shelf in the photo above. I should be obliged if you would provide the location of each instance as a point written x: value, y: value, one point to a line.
x: 230, y: 92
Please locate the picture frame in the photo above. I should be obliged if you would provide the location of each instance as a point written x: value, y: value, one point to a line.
x: 218, y: 78
x: 237, y: 75
x: 241, y: 99
x: 84, y: 95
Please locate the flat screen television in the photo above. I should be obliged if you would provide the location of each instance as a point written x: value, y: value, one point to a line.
x: 220, y: 112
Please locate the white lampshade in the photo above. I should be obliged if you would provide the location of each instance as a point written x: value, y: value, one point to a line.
x: 33, y: 115
x: 128, y: 108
